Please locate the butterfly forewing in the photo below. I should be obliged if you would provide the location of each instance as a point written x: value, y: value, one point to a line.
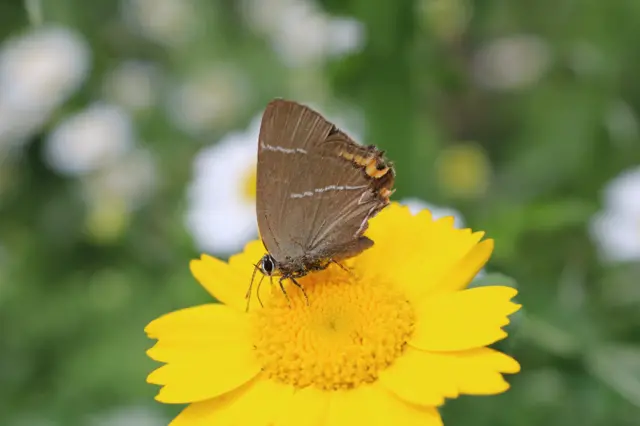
x: 286, y: 133
x: 312, y: 200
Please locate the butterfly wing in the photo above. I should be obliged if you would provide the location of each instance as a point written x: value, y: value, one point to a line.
x: 314, y: 193
x: 287, y: 133
x: 341, y: 214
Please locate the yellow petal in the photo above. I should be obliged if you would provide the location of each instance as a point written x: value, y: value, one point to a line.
x: 463, y: 273
x: 257, y: 403
x: 307, y: 407
x: 373, y: 405
x: 219, y: 279
x: 208, y: 352
x: 478, y: 371
x: 204, y: 327
x: 229, y: 282
x: 415, y: 378
x: 463, y: 320
x: 195, y: 321
x: 413, y: 250
x: 422, y: 378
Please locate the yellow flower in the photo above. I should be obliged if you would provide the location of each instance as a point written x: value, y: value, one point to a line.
x: 381, y: 344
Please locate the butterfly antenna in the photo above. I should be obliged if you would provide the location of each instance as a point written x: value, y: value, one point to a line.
x: 248, y: 295
x: 258, y: 291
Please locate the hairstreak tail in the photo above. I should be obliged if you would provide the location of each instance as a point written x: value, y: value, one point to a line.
x: 316, y: 191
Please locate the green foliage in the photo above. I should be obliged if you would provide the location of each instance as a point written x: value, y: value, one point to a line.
x: 73, y: 308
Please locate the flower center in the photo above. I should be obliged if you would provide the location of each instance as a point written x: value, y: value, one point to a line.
x: 347, y: 334
x: 248, y: 185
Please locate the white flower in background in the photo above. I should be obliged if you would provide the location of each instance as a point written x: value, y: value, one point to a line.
x: 39, y: 70
x: 512, y: 62
x: 221, y: 213
x: 43, y: 66
x: 622, y: 123
x: 133, y: 84
x: 307, y: 36
x: 167, y: 22
x: 132, y: 180
x: 89, y: 140
x: 616, y: 229
x: 416, y: 205
x: 301, y: 33
x: 129, y: 416
x: 211, y: 97
x: 265, y: 17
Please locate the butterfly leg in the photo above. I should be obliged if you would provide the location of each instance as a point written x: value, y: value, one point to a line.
x: 344, y: 268
x: 283, y: 290
x: 297, y: 284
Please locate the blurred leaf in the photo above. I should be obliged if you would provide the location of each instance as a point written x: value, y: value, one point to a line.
x: 550, y: 336
x: 74, y: 311
x: 559, y: 214
x: 618, y: 366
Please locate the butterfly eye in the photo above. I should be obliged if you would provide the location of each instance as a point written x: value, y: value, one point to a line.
x: 267, y: 265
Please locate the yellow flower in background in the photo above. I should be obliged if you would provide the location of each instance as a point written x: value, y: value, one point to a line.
x: 383, y: 343
x: 107, y: 220
x: 250, y: 185
x: 463, y: 170
x: 447, y: 19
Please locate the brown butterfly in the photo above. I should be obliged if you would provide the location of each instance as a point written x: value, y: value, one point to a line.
x: 316, y: 191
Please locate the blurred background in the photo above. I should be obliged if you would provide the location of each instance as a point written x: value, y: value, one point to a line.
x: 127, y: 147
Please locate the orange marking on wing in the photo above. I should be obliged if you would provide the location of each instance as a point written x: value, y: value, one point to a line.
x: 386, y: 193
x: 379, y: 173
x: 362, y: 161
x: 369, y: 162
x: 347, y: 155
x: 373, y: 169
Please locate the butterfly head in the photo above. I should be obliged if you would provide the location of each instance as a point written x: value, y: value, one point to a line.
x: 267, y: 265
